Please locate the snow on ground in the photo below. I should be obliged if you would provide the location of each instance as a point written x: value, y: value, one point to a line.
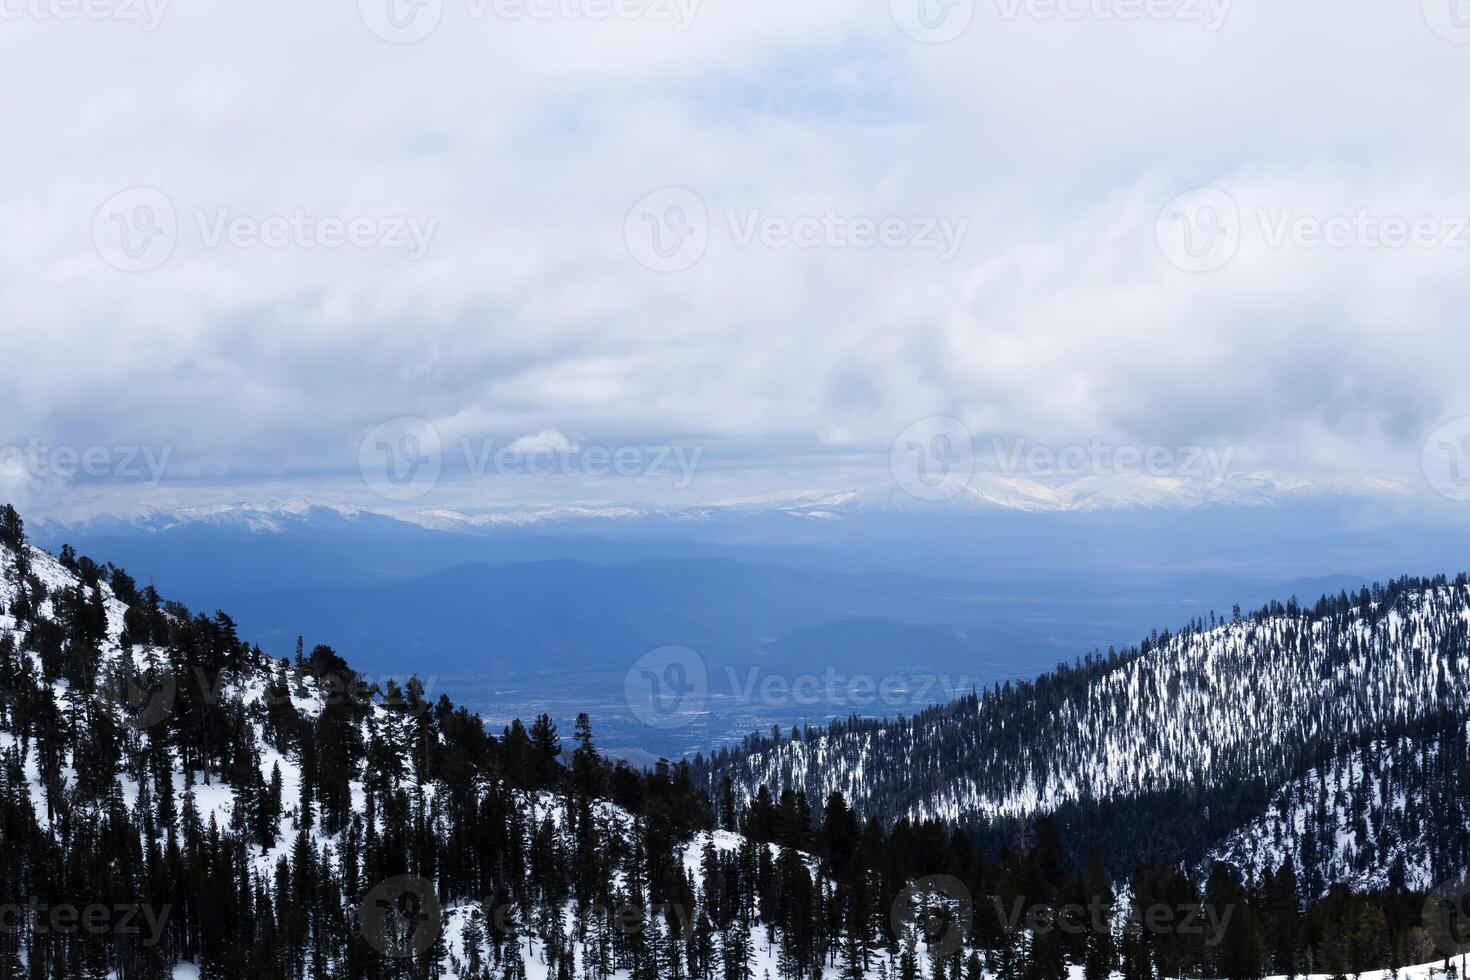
x: 764, y: 965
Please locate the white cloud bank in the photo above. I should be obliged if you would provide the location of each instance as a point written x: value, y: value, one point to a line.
x: 355, y: 230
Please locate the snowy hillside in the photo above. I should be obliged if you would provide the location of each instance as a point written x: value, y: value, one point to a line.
x: 1376, y: 817
x: 205, y: 809
x: 217, y: 812
x: 1245, y: 705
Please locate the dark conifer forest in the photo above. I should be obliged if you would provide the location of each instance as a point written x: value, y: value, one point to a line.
x: 178, y: 802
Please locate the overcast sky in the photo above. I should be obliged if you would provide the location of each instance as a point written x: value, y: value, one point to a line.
x: 247, y: 235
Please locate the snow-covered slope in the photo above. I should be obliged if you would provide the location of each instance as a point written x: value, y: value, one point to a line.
x: 1248, y: 704
x: 89, y: 697
x: 1376, y: 817
x: 278, y: 819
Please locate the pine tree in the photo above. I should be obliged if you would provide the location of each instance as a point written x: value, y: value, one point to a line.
x: 1100, y: 956
x: 12, y: 529
x: 737, y: 952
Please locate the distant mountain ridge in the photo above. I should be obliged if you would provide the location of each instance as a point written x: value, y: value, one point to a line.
x: 985, y: 591
x: 982, y: 492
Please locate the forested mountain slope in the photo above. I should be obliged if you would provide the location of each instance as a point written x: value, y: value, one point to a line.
x: 1388, y: 812
x: 1169, y: 747
x: 174, y: 802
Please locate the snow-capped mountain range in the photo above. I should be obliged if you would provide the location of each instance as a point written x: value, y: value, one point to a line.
x: 982, y: 493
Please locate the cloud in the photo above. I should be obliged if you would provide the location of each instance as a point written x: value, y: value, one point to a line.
x: 545, y: 441
x: 1058, y: 138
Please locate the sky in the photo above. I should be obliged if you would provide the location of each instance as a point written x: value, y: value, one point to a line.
x: 246, y: 247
